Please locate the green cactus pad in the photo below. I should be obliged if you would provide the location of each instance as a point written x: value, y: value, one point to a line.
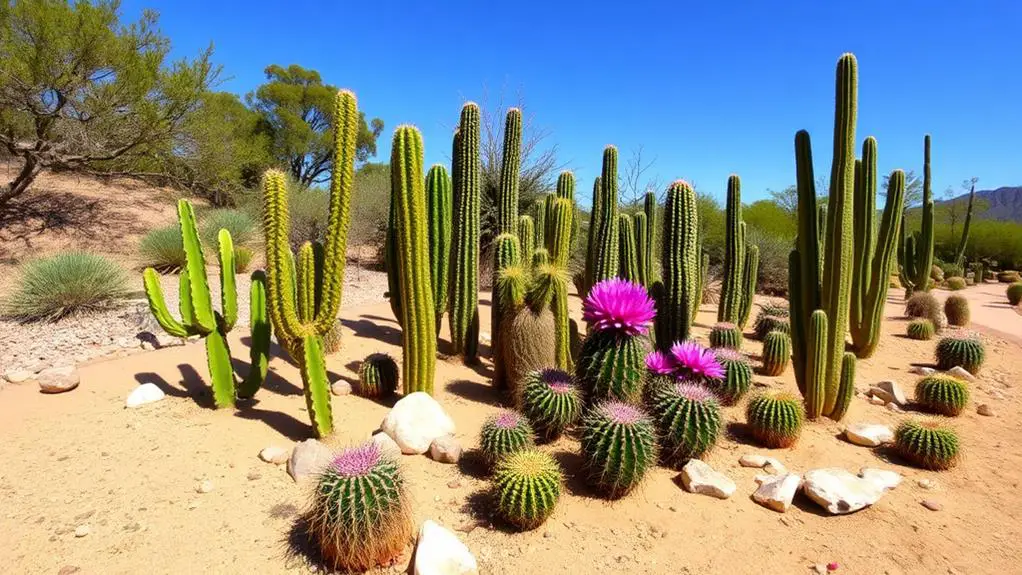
x: 927, y: 444
x: 942, y: 394
x: 550, y: 402
x: 619, y: 447
x: 961, y: 349
x: 688, y: 420
x: 775, y: 419
x: 527, y: 485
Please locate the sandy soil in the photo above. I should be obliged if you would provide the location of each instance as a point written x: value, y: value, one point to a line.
x: 130, y: 475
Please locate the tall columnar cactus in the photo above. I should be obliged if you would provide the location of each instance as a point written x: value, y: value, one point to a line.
x: 526, y: 237
x: 820, y: 301
x: 874, y: 249
x: 917, y: 253
x: 438, y: 207
x: 199, y: 318
x: 649, y: 208
x: 464, y: 276
x: 628, y: 261
x: 960, y: 252
x: 507, y: 211
x: 603, y: 225
x: 542, y: 215
x: 704, y: 272
x: 680, y: 266
x: 731, y: 285
x: 750, y: 273
x: 303, y: 335
x: 418, y: 318
x: 561, y: 216
x: 642, y: 249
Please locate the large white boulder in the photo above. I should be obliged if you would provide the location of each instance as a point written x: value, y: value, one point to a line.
x: 839, y: 491
x: 415, y: 421
x: 440, y: 552
x: 308, y: 458
x: 889, y: 391
x: 698, y: 477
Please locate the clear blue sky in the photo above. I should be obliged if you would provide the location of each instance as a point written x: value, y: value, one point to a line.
x: 707, y: 88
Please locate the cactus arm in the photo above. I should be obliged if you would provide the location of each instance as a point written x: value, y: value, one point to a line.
x: 317, y: 385
x: 641, y: 248
x: 464, y: 299
x: 510, y: 166
x: 228, y: 286
x: 817, y: 353
x: 960, y: 252
x: 846, y: 389
x: 594, y: 223
x: 606, y: 241
x: 195, y: 269
x: 864, y: 207
x: 873, y: 303
x: 306, y: 283
x: 259, y: 354
x: 627, y: 264
x: 749, y: 275
x: 158, y: 306
x: 542, y: 212
x: 526, y: 237
x: 438, y: 208
x: 279, y: 259
x: 560, y: 218
x: 799, y: 357
x: 221, y: 372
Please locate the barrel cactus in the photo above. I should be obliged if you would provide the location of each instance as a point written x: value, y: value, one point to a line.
x: 927, y: 444
x: 955, y: 283
x: 956, y: 309
x: 527, y: 486
x: 766, y: 323
x: 942, y: 394
x: 1014, y: 293
x: 360, y: 516
x: 921, y: 329
x: 961, y: 349
x: 504, y: 433
x: 737, y: 376
x: 688, y: 420
x: 725, y: 334
x: 550, y: 402
x: 775, y: 419
x: 776, y: 351
x: 923, y: 304
x: 619, y: 447
x: 377, y: 376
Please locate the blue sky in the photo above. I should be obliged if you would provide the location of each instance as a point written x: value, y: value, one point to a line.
x: 707, y: 88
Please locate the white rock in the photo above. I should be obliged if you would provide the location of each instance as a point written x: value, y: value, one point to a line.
x: 58, y: 379
x: 698, y: 477
x: 874, y: 400
x: 143, y: 394
x: 308, y: 458
x: 882, y: 478
x: 753, y: 460
x: 893, y: 407
x: 386, y: 444
x: 440, y: 552
x: 774, y: 467
x: 838, y: 491
x: 776, y: 491
x: 985, y: 409
x: 18, y: 375
x: 148, y: 345
x: 961, y: 373
x: 890, y: 391
x: 274, y: 455
x: 445, y: 449
x: 484, y: 338
x: 205, y: 486
x: 922, y: 370
x: 869, y: 434
x: 926, y: 483
x: 340, y: 387
x: 415, y: 421
x: 82, y: 530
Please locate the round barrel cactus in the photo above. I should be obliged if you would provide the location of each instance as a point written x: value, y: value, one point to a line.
x: 726, y: 335
x: 360, y: 516
x: 377, y: 376
x: 550, y: 402
x: 921, y: 329
x: 504, y: 433
x: 688, y: 420
x: 619, y: 447
x: 776, y: 351
x: 775, y: 418
x: 942, y: 394
x: 956, y: 308
x: 955, y: 283
x: 527, y: 485
x: 1015, y: 293
x: 927, y: 444
x: 768, y: 323
x: 737, y: 376
x: 961, y: 349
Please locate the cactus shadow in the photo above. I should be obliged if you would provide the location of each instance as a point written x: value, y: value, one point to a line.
x: 282, y: 423
x: 804, y: 504
x: 574, y: 468
x: 474, y: 391
x: 171, y: 390
x: 371, y: 330
x: 472, y: 464
x: 739, y: 433
x: 479, y: 506
x: 300, y: 551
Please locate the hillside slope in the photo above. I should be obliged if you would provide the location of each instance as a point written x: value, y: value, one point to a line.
x: 1005, y: 203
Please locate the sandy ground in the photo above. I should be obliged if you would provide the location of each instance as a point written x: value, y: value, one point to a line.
x: 130, y: 475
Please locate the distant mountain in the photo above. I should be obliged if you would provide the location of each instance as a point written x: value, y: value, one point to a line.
x: 1004, y: 203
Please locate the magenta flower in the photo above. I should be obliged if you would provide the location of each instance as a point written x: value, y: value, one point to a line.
x: 357, y: 461
x: 618, y: 305
x: 696, y: 361
x: 660, y: 364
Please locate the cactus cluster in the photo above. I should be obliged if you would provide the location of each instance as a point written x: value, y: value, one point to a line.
x: 688, y: 420
x: 678, y: 294
x: 503, y: 434
x: 942, y: 394
x: 776, y: 351
x: 360, y: 517
x: 956, y: 310
x: 921, y: 329
x: 619, y: 447
x: 738, y: 287
x: 775, y: 419
x: 377, y: 376
x: 737, y: 376
x: 463, y: 308
x: 927, y: 444
x: 551, y: 402
x: 961, y: 349
x: 915, y: 252
x: 527, y: 486
x: 528, y: 338
x: 727, y: 335
x: 199, y: 318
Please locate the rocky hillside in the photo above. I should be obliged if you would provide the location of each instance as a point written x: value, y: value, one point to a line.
x: 1005, y: 203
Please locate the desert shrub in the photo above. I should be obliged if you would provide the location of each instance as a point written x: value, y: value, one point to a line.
x: 773, y: 260
x: 65, y: 284
x: 163, y: 249
x: 243, y: 259
x: 370, y: 205
x: 955, y: 283
x: 1007, y: 277
x: 924, y: 305
x: 952, y: 270
x: 309, y: 210
x: 244, y: 228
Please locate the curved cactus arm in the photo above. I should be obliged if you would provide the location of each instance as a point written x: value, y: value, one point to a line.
x: 279, y: 259
x: 306, y: 282
x: 221, y: 372
x: 259, y: 320
x: 228, y: 286
x: 317, y: 385
x: 157, y: 305
x: 195, y: 269
x: 817, y: 353
x: 846, y: 389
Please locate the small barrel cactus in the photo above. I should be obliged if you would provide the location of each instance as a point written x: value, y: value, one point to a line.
x: 619, y: 447
x: 360, y: 516
x: 768, y: 323
x: 1015, y: 293
x: 964, y: 349
x: 942, y: 394
x: 921, y: 329
x: 550, y: 402
x: 775, y: 419
x: 956, y: 308
x: 776, y: 351
x: 927, y: 444
x: 737, y: 376
x: 688, y: 420
x: 377, y: 376
x: 727, y: 335
x: 504, y: 433
x: 955, y: 283
x: 923, y: 304
x: 527, y: 485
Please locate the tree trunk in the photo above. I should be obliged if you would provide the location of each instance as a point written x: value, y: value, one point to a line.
x: 21, y: 182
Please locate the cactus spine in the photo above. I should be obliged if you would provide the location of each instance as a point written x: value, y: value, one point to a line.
x: 917, y: 253
x: 649, y: 208
x: 680, y: 265
x: 195, y: 296
x: 438, y: 206
x: 602, y: 259
x: 418, y: 321
x: 730, y: 306
x: 873, y: 249
x: 464, y: 276
x: 960, y: 252
x: 628, y: 260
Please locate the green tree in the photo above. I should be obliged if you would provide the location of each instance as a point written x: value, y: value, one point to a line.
x: 79, y: 89
x: 296, y: 108
x: 913, y: 189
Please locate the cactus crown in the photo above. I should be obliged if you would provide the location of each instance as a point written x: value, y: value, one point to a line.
x: 695, y: 361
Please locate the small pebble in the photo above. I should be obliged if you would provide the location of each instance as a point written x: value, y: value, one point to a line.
x: 927, y: 483
x: 931, y: 504
x: 204, y: 487
x: 985, y: 409
x: 252, y: 476
x: 69, y: 570
x: 82, y: 530
x: 454, y: 483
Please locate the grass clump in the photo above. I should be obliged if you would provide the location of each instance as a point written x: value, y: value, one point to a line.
x: 63, y: 285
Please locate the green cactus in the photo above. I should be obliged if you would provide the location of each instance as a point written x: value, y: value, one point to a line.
x: 195, y: 295
x: 688, y: 420
x: 956, y: 308
x: 927, y: 444
x: 560, y: 218
x: 360, y: 516
x: 732, y: 283
x: 540, y: 257
x: 775, y: 419
x: 726, y: 335
x: 377, y: 376
x: 418, y: 334
x: 391, y: 262
x: 603, y: 225
x: 704, y: 272
x: 439, y: 199
x: 463, y: 315
x: 680, y: 266
x: 766, y: 323
x: 641, y: 249
x: 527, y: 486
x: 550, y: 401
x: 541, y: 219
x: 964, y: 241
x: 526, y: 237
x: 610, y: 367
x: 776, y: 351
x: 942, y: 394
x: 917, y: 252
x: 921, y: 329
x: 507, y: 213
x: 628, y: 264
x: 1014, y: 293
x: 961, y: 349
x: 503, y: 434
x: 619, y: 447
x: 592, y: 238
x: 737, y: 376
x: 649, y: 208
x: 750, y: 273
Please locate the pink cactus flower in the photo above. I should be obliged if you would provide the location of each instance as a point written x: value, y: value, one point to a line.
x: 618, y: 305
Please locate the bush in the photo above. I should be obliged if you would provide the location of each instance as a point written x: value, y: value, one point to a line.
x: 243, y: 227
x: 65, y: 284
x: 1007, y: 277
x: 773, y: 260
x: 163, y: 249
x: 955, y: 283
x: 952, y: 270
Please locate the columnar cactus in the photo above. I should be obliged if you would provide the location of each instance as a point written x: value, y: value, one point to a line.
x: 542, y: 214
x: 750, y: 274
x: 438, y: 207
x: 942, y: 394
x: 776, y: 351
x: 377, y: 376
x: 526, y: 237
x: 560, y: 218
x: 418, y: 318
x: 619, y: 447
x: 300, y: 333
x: 679, y: 265
x: 726, y: 335
x: 704, y: 272
x: 964, y: 241
x: 527, y: 485
x: 775, y: 419
x: 917, y: 252
x: 464, y: 276
x: 649, y: 208
x: 873, y: 250
x: 927, y: 444
x: 551, y: 402
x: 688, y: 421
x: 820, y: 299
x: 641, y: 238
x: 628, y: 261
x: 737, y: 376
x: 503, y: 434
x: 507, y: 212
x: 603, y: 225
x: 961, y: 349
x: 199, y: 318
x: 730, y: 306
